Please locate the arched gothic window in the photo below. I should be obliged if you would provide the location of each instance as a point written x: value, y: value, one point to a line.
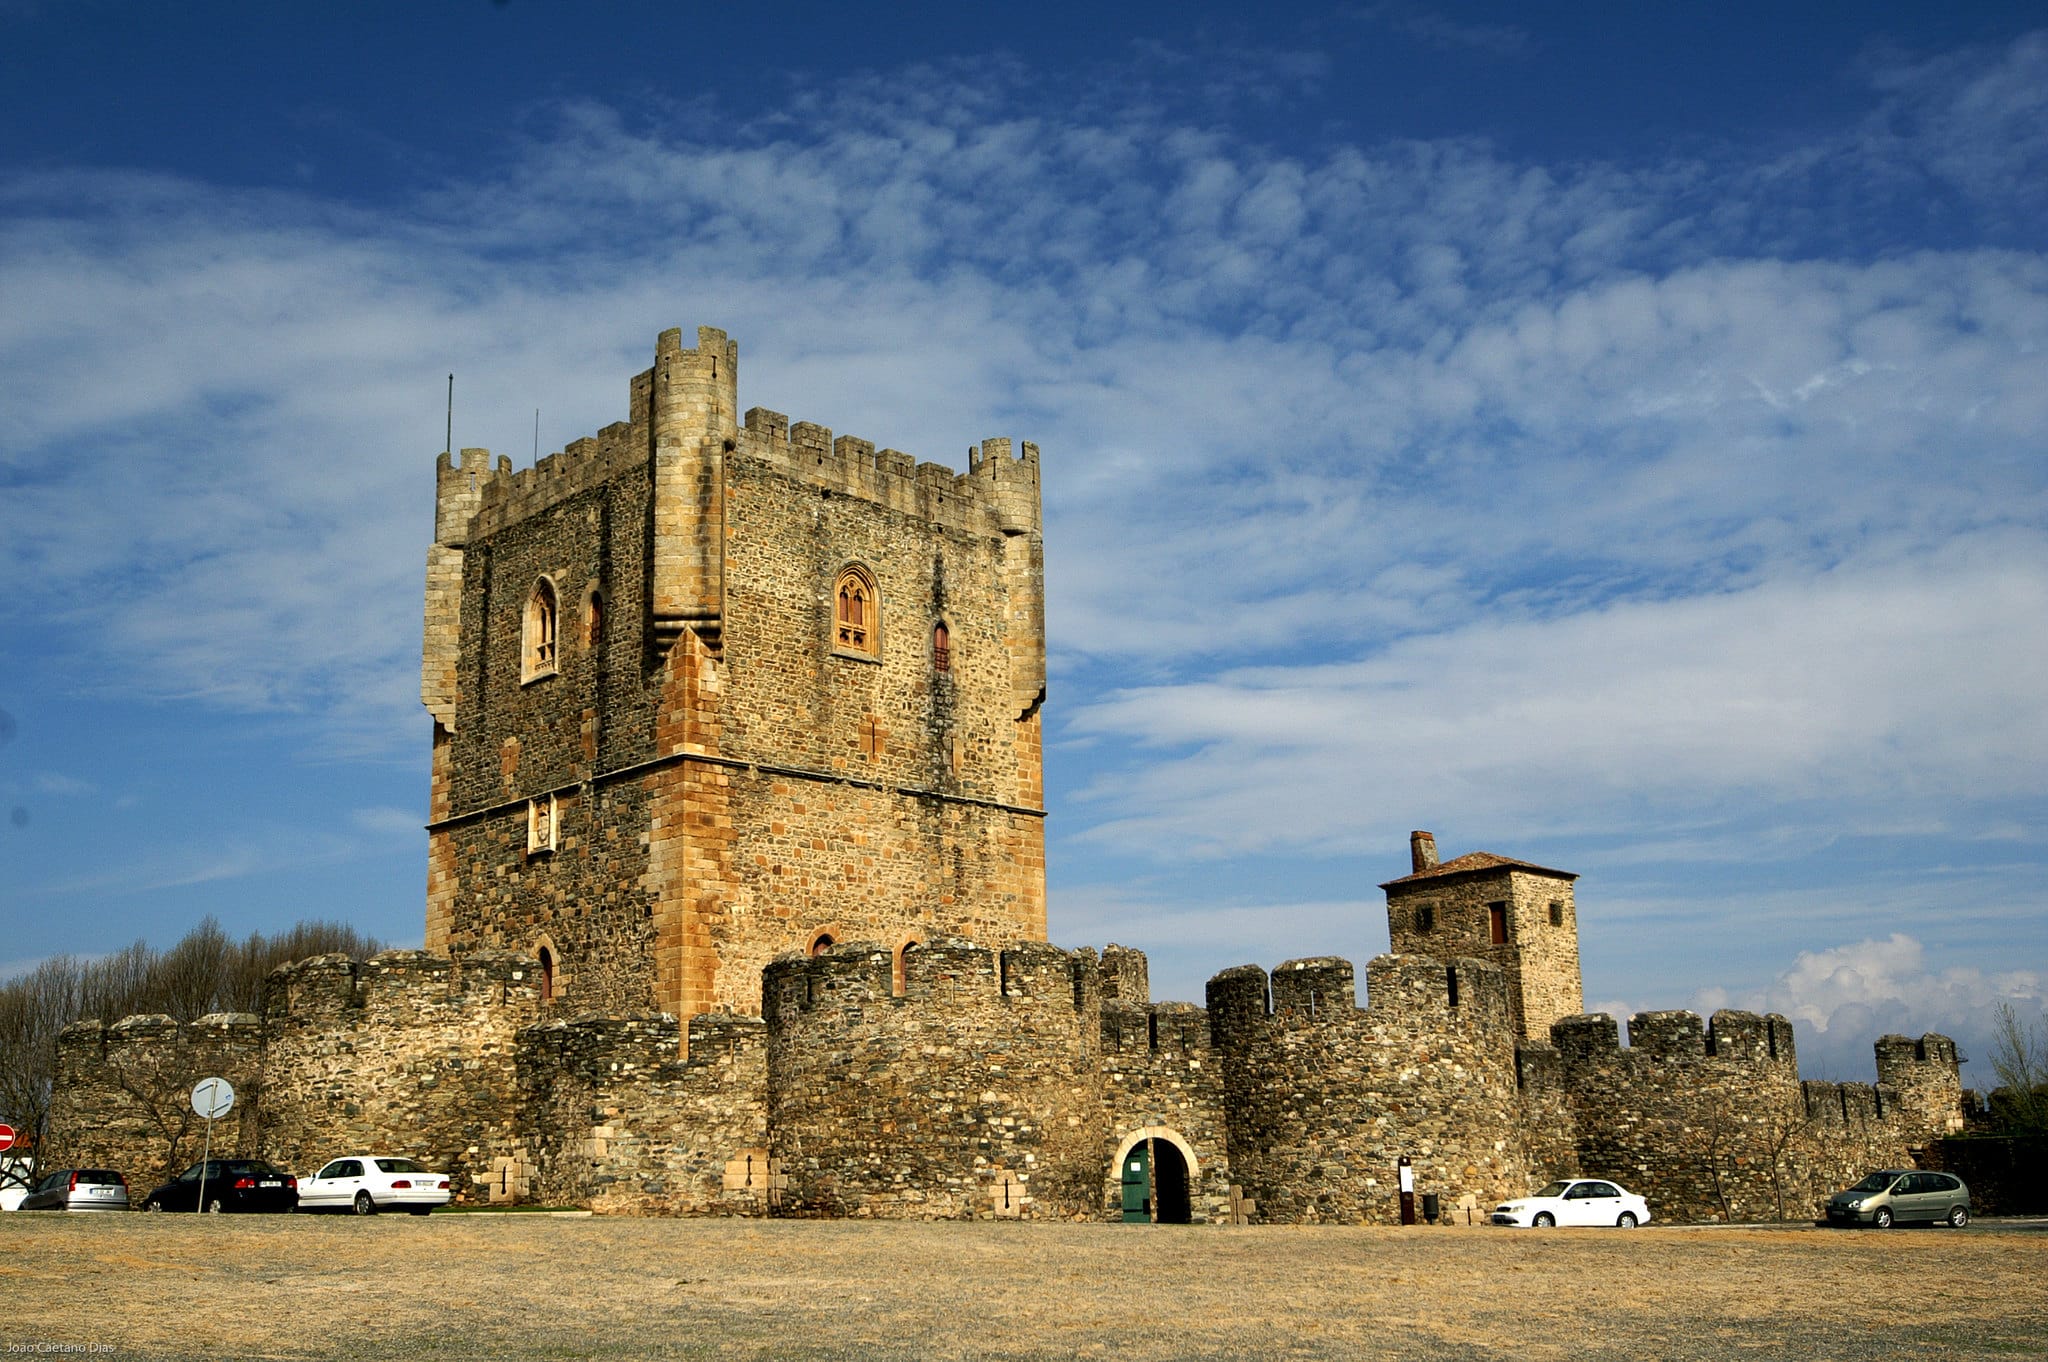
x: 855, y: 612
x: 942, y: 648
x: 542, y: 613
x: 593, y: 618
x: 547, y: 975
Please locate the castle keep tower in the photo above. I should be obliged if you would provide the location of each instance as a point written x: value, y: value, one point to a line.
x: 707, y: 689
x: 1517, y: 915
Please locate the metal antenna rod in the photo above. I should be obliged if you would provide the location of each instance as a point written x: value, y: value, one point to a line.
x: 449, y: 446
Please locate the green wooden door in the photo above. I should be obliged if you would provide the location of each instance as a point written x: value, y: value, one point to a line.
x: 1137, y: 1177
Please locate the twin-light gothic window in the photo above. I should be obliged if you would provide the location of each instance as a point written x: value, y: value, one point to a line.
x: 855, y: 612
x: 856, y: 619
x: 538, y: 633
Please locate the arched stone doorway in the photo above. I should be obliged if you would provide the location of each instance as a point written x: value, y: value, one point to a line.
x: 1155, y: 1174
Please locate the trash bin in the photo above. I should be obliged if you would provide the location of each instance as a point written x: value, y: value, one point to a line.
x: 1430, y: 1204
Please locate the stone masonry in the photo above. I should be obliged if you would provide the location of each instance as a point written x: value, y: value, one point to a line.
x: 721, y: 776
x: 736, y: 906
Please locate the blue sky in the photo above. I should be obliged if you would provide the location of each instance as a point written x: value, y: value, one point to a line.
x: 1614, y: 439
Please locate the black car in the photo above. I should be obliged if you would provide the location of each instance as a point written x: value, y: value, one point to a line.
x: 227, y: 1185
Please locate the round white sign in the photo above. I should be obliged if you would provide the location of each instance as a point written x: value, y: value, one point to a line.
x: 213, y: 1097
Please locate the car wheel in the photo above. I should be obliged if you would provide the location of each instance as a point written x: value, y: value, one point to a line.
x: 1883, y: 1218
x: 365, y: 1206
x: 1959, y: 1216
x: 213, y: 1207
x: 152, y: 1205
x: 1627, y: 1221
x: 1544, y: 1220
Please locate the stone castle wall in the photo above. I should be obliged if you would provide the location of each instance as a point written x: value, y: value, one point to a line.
x: 1162, y: 1078
x: 615, y: 1122
x: 1325, y: 1097
x: 1712, y: 1122
x: 404, y: 1053
x: 973, y: 1093
x: 1703, y: 1120
x: 949, y: 1080
x: 121, y: 1098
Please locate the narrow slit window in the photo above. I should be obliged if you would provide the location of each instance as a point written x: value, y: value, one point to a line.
x: 1497, y: 923
x: 942, y: 648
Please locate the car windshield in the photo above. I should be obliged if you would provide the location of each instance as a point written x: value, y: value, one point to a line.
x: 399, y: 1166
x: 1554, y: 1189
x: 1876, y: 1182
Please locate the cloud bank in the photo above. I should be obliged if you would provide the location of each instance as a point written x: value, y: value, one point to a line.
x: 1693, y: 505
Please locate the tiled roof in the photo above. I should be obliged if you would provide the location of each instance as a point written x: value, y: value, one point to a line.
x: 1476, y: 861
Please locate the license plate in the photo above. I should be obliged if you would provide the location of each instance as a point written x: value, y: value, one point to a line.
x: 270, y: 1184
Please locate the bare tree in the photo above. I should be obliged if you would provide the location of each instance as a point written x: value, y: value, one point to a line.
x: 33, y: 1008
x: 204, y: 972
x: 1780, y: 1134
x: 2019, y: 1056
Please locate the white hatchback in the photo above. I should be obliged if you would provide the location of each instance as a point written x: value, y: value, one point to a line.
x: 1577, y: 1201
x: 369, y: 1183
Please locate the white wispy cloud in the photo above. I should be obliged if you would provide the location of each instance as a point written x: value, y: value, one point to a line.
x: 1378, y: 477
x: 1876, y: 684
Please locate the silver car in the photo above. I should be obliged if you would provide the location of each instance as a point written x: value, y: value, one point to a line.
x: 1900, y: 1196
x: 79, y: 1189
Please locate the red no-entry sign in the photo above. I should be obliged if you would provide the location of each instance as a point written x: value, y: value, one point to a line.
x: 6, y: 1137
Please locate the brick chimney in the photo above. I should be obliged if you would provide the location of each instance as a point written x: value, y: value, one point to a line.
x: 1422, y: 851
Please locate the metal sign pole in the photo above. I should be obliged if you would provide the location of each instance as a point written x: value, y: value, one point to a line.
x: 210, y: 1098
x: 205, y: 1156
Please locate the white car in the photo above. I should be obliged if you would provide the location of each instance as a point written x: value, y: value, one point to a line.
x: 369, y: 1183
x: 1577, y: 1201
x: 17, y: 1176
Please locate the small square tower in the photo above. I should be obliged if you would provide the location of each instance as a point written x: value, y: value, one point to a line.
x: 1514, y: 913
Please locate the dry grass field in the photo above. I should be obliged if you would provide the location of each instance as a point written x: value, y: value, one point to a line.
x: 532, y: 1286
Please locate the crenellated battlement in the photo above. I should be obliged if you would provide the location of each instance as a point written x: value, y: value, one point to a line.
x: 1408, y: 993
x: 1677, y: 1037
x: 998, y: 494
x: 688, y: 401
x: 394, y: 985
x: 1840, y: 1107
x: 1929, y: 1082
x: 1167, y: 1030
x: 951, y: 972
x: 871, y: 1092
x: 158, y: 1032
